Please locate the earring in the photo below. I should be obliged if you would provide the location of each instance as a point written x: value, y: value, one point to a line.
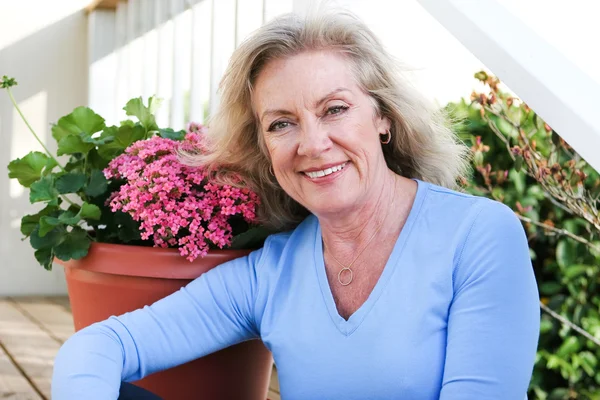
x: 388, y: 137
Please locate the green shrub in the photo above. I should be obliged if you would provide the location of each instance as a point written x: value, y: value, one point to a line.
x: 519, y: 160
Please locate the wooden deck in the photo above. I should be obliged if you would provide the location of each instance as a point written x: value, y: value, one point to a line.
x: 32, y: 330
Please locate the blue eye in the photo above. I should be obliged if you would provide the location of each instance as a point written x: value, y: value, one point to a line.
x: 336, y: 110
x: 278, y: 125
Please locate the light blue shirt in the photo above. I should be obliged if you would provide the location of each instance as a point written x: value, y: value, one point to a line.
x: 454, y: 315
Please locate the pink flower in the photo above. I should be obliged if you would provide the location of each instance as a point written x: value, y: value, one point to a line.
x: 176, y: 205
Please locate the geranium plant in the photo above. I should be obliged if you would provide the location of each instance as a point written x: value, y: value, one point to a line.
x: 125, y: 184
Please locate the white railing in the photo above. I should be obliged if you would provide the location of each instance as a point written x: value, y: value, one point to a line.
x: 175, y: 49
x: 559, y: 91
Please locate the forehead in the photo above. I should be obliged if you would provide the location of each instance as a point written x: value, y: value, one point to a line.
x: 303, y: 77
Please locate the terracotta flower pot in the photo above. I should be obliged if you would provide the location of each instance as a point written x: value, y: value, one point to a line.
x: 113, y: 279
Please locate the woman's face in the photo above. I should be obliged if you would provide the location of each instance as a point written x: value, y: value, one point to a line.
x: 321, y: 131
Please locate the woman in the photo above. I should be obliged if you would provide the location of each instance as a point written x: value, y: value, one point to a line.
x: 389, y: 284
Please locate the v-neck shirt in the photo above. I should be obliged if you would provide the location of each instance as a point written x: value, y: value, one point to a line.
x: 454, y: 315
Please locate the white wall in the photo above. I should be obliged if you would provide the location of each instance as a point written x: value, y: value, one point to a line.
x: 43, y: 46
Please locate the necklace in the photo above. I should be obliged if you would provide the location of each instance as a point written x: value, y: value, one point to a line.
x: 348, y: 268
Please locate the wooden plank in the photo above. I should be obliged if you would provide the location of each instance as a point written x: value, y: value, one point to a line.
x: 105, y: 4
x: 274, y: 393
x: 13, y: 385
x: 51, y: 317
x: 30, y: 347
x: 61, y: 301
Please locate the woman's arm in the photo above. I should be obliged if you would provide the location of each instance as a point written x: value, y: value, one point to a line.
x: 211, y: 313
x: 494, y: 318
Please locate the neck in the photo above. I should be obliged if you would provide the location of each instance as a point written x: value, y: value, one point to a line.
x: 346, y: 235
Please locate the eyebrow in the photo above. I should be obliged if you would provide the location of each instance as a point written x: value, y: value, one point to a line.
x: 317, y: 104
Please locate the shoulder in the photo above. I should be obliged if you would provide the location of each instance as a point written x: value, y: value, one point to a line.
x: 302, y: 233
x: 456, y: 205
x: 279, y: 245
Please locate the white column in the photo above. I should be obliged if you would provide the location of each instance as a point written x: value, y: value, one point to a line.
x: 163, y: 53
x: 121, y: 92
x: 249, y: 18
x: 102, y: 63
x: 177, y: 96
x: 149, y: 67
x: 200, y: 54
x: 134, y: 49
x: 222, y: 44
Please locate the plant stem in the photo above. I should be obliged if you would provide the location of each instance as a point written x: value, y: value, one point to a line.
x: 65, y: 198
x: 569, y: 324
x: 14, y: 102
x: 560, y: 232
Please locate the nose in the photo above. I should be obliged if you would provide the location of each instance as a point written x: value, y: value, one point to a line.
x: 314, y: 140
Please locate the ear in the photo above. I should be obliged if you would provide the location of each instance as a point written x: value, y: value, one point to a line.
x: 382, y: 124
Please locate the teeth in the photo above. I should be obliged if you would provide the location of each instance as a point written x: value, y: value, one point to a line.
x: 325, y: 172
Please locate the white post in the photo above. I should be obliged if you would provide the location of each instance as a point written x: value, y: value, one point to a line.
x: 250, y: 15
x: 177, y: 96
x: 134, y: 49
x: 120, y: 88
x: 222, y: 44
x: 162, y: 59
x: 200, y: 68
x: 149, y: 48
x: 102, y: 63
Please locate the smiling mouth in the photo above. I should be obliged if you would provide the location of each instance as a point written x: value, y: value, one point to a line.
x: 325, y: 172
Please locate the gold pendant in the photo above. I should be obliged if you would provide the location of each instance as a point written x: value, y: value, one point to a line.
x: 340, y: 276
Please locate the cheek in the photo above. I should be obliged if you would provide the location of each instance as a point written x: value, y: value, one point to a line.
x: 279, y: 151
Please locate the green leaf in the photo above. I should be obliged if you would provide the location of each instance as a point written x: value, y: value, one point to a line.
x: 89, y: 211
x: 44, y: 190
x: 30, y: 222
x: 518, y: 179
x: 570, y: 345
x: 82, y: 119
x: 7, y: 82
x: 47, y: 224
x: 573, y: 271
x: 96, y: 141
x: 253, y: 238
x: 545, y: 325
x: 71, y: 182
x: 74, y: 246
x: 481, y: 75
x: 127, y: 122
x: 566, y: 253
x: 68, y: 217
x: 145, y: 115
x: 73, y: 144
x: 518, y: 163
x: 96, y: 161
x: 45, y: 258
x: 51, y: 238
x: 97, y: 185
x: 550, y: 288
x: 124, y: 137
x: 169, y: 133
x: 30, y: 168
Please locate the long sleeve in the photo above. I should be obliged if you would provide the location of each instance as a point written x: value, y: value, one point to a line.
x: 494, y: 317
x: 212, y: 312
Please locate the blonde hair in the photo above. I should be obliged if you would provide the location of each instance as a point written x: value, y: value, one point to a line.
x: 422, y: 145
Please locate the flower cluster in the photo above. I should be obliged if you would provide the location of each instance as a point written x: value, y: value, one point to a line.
x: 177, y: 205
